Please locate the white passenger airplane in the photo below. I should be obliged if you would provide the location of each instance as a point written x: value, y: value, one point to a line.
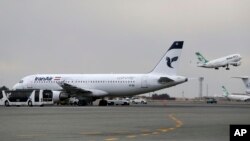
x: 105, y: 85
x: 246, y: 81
x: 233, y: 59
x: 237, y: 97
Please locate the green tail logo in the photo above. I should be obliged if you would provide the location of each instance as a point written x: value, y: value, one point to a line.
x: 225, y: 92
x: 201, y: 58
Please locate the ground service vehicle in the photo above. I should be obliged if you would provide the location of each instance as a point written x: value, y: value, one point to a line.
x: 139, y: 101
x: 118, y: 101
x: 73, y: 101
x: 211, y: 101
x: 26, y: 97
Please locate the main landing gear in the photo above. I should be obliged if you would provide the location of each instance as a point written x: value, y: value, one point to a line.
x: 103, y: 102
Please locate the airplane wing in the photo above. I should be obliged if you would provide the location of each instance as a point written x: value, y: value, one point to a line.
x: 74, y: 90
x: 240, y: 94
x: 242, y: 77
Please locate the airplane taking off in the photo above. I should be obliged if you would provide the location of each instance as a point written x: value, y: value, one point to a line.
x: 233, y: 59
x: 95, y: 86
x: 237, y: 97
x: 246, y: 81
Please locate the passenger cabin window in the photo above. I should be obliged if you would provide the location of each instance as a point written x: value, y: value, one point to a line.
x: 21, y: 81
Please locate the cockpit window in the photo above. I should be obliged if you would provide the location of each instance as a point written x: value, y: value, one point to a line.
x: 21, y: 81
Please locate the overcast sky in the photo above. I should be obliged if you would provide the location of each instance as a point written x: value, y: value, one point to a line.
x: 122, y: 36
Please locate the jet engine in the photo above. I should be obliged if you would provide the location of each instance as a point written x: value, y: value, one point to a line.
x: 59, y: 96
x: 236, y: 64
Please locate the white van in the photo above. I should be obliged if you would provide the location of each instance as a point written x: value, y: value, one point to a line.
x: 26, y: 97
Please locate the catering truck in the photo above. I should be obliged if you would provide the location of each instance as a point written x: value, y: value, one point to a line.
x: 26, y: 97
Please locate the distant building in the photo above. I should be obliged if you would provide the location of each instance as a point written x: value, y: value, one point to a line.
x: 162, y: 97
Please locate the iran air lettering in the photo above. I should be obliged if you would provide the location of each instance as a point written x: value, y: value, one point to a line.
x: 43, y: 78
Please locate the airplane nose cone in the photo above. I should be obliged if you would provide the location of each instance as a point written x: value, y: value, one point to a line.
x: 181, y: 79
x: 184, y: 79
x: 239, y: 57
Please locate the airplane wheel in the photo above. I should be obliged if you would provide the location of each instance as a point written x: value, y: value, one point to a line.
x: 103, y: 103
x: 111, y: 104
x: 82, y: 102
x: 30, y: 104
x: 6, y: 103
x: 125, y: 103
x: 227, y: 68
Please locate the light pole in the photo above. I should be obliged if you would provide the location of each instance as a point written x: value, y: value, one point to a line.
x: 200, y: 89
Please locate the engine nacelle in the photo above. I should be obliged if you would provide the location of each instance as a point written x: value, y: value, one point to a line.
x: 236, y: 64
x: 59, y: 96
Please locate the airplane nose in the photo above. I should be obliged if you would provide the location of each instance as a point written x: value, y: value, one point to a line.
x: 16, y: 86
x: 240, y: 57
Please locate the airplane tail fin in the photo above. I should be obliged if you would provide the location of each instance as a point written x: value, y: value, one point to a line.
x: 246, y: 81
x: 201, y: 59
x: 170, y: 60
x: 225, y: 92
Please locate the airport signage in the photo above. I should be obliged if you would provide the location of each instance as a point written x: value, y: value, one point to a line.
x: 239, y: 132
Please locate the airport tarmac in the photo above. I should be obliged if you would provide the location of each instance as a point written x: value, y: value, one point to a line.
x: 172, y: 121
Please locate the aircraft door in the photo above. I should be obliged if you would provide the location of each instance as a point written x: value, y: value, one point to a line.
x: 37, y: 96
x: 144, y: 82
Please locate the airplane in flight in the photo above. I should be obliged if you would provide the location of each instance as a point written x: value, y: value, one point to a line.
x: 237, y: 97
x: 233, y: 60
x: 96, y: 86
x: 246, y: 81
